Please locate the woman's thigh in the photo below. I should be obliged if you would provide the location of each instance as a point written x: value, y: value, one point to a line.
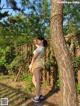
x: 37, y: 74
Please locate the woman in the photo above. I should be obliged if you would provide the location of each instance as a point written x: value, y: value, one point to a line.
x: 37, y: 65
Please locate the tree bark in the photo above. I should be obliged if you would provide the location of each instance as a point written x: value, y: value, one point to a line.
x: 68, y: 92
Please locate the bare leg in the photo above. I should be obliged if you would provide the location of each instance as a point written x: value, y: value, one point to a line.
x: 37, y: 80
x: 33, y: 80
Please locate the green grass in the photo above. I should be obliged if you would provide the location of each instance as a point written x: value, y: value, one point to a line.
x: 28, y: 81
x: 2, y: 77
x: 29, y: 87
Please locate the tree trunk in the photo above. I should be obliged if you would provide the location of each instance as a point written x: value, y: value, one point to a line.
x: 62, y: 55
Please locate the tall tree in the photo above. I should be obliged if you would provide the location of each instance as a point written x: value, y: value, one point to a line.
x: 62, y: 55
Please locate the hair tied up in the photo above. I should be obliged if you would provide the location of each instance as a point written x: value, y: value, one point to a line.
x: 45, y: 44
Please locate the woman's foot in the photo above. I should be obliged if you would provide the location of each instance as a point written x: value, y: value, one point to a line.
x: 41, y: 97
x: 36, y: 99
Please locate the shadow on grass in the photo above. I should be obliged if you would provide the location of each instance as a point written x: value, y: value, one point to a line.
x: 15, y: 96
x: 45, y: 103
x: 20, y: 98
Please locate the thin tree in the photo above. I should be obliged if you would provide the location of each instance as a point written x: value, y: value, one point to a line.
x: 62, y: 55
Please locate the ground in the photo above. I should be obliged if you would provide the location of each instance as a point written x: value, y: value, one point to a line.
x: 17, y: 97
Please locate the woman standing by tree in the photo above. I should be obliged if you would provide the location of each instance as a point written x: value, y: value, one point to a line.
x: 37, y: 65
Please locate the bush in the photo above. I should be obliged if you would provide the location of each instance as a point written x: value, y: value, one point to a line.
x: 78, y: 88
x: 76, y: 63
x: 28, y: 80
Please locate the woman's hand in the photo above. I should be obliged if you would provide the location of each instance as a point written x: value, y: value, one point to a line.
x: 30, y: 67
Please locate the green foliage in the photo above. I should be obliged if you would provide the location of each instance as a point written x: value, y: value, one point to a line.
x: 21, y: 29
x: 71, y: 17
x: 23, y: 23
x: 26, y: 77
x: 28, y: 80
x: 38, y: 11
x: 48, y: 64
x: 14, y: 63
x: 76, y: 63
x: 23, y: 40
x: 3, y: 52
x: 72, y: 28
x: 8, y: 57
x: 78, y: 88
x: 57, y: 85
